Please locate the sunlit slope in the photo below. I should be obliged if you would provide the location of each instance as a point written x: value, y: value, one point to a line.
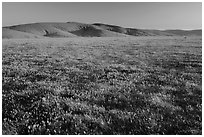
x: 10, y: 34
x: 70, y: 29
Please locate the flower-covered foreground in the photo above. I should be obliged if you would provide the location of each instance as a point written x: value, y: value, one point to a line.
x: 132, y: 85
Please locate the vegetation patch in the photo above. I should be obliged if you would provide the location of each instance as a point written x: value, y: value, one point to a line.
x: 102, y: 86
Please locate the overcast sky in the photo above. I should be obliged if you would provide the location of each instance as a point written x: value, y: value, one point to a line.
x: 136, y: 15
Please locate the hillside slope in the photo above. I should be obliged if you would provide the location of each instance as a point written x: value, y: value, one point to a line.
x: 149, y: 32
x: 127, y: 31
x: 10, y: 34
x: 75, y: 29
x: 69, y: 29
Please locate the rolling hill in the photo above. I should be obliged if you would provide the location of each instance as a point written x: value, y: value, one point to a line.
x: 197, y: 32
x: 10, y: 34
x: 149, y: 32
x: 75, y: 29
x: 69, y: 29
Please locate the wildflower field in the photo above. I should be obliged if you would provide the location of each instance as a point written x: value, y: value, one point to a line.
x: 130, y: 85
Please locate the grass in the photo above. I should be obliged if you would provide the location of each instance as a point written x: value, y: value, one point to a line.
x: 142, y: 85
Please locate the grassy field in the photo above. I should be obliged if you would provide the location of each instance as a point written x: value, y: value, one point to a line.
x: 130, y: 85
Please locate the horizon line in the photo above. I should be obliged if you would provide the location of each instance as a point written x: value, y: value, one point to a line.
x: 4, y: 26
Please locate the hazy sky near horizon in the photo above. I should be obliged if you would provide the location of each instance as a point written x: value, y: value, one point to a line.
x: 160, y: 15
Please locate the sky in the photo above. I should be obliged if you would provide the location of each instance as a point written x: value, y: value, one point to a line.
x: 157, y: 15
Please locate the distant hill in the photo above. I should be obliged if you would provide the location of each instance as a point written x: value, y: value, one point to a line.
x: 185, y: 32
x: 148, y: 32
x: 75, y: 29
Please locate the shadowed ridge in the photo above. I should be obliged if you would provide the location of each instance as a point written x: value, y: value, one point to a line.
x: 127, y: 31
x: 148, y: 32
x: 112, y: 28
